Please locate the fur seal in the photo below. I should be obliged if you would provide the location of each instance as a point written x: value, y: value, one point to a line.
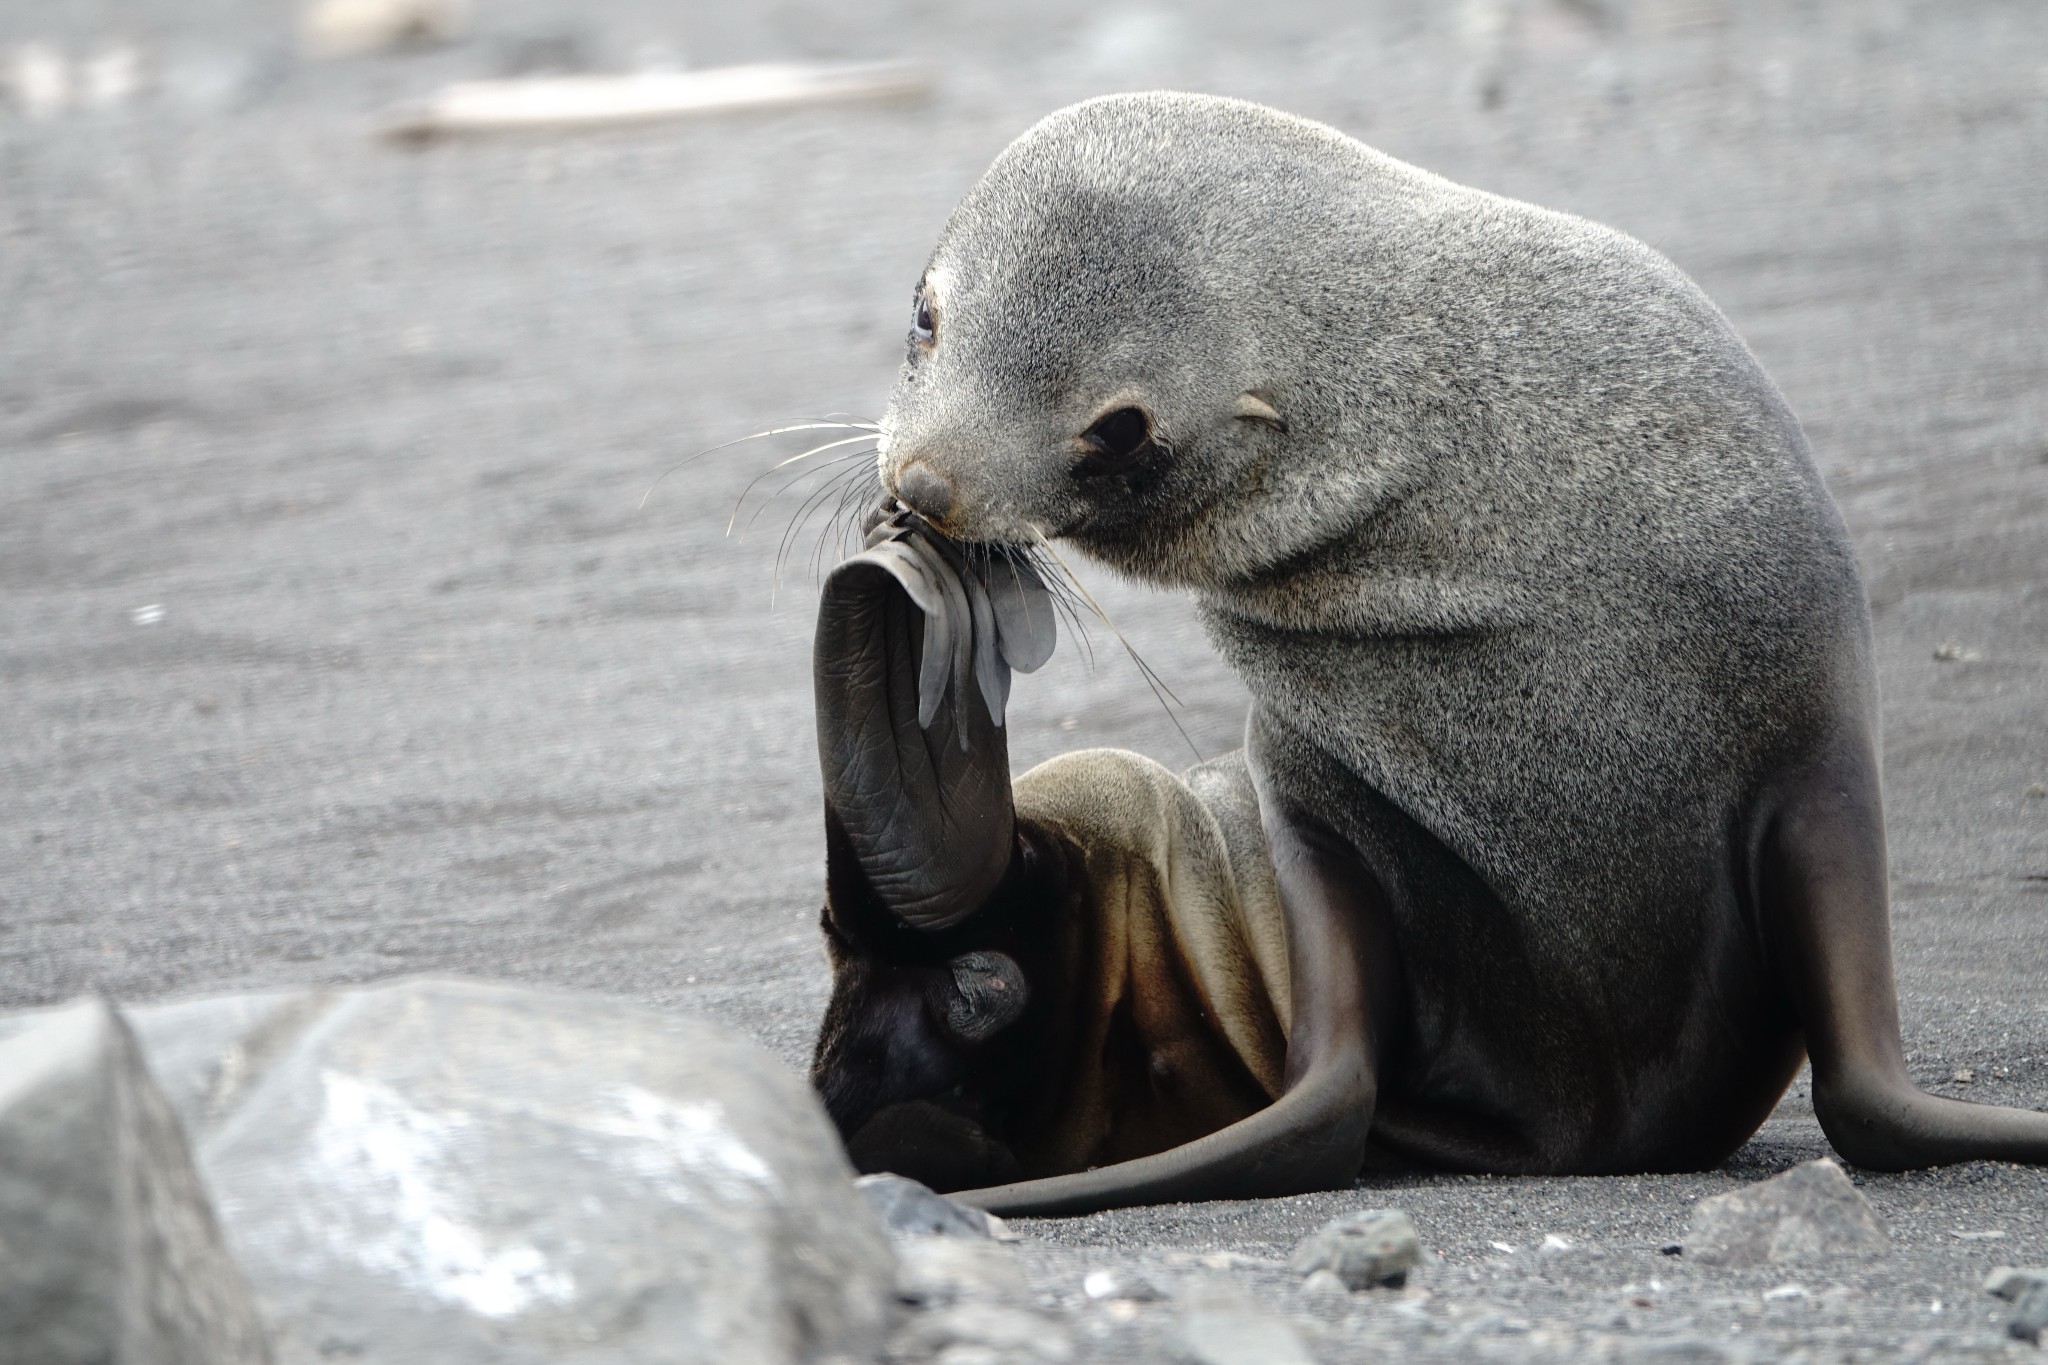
x: 1556, y: 840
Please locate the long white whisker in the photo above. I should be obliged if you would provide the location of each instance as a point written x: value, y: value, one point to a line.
x: 1152, y: 679
x: 814, y: 450
x: 754, y: 436
x: 796, y: 479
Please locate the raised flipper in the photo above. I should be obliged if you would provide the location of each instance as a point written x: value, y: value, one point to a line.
x: 1825, y: 902
x: 916, y: 770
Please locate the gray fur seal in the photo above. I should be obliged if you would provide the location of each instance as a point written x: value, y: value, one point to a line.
x: 1556, y: 840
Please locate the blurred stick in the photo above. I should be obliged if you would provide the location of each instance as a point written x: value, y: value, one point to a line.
x: 569, y: 102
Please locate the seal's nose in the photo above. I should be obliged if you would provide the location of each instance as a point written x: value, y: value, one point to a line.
x: 925, y: 491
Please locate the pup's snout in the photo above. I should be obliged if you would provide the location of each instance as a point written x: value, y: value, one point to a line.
x: 925, y: 491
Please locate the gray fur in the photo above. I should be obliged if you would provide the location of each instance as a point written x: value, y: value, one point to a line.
x: 1540, y: 556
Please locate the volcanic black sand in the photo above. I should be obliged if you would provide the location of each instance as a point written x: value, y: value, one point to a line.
x: 335, y: 642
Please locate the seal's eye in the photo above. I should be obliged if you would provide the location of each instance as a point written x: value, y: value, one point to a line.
x: 1116, y: 441
x: 924, y: 324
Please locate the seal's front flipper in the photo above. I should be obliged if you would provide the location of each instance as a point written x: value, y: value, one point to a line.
x: 1824, y: 903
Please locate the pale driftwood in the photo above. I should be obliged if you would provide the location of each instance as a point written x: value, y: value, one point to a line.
x: 357, y: 28
x: 568, y: 102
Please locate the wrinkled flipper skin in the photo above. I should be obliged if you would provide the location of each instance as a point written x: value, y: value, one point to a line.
x: 917, y: 819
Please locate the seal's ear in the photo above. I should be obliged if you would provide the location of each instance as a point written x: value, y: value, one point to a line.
x: 982, y: 994
x: 1252, y: 408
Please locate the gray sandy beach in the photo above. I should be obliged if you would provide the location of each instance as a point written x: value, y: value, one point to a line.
x: 337, y: 641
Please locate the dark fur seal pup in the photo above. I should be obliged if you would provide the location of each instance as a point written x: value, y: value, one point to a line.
x: 1556, y: 839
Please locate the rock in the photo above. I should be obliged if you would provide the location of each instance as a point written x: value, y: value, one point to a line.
x: 1118, y: 1285
x: 1809, y: 1213
x: 2011, y: 1283
x: 970, y: 1302
x: 935, y: 1272
x: 355, y: 28
x: 908, y: 1209
x: 446, y: 1171
x: 1327, y: 1283
x: 2030, y: 1315
x: 205, y: 1053
x: 983, y: 1331
x: 108, y: 1250
x: 1363, y: 1249
x: 1239, y: 1336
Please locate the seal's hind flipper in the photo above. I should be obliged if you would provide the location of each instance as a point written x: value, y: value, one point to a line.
x: 980, y: 620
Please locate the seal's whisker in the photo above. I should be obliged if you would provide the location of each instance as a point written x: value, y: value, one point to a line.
x: 791, y: 482
x: 849, y: 489
x: 783, y: 464
x: 1069, y: 607
x: 854, y: 495
x: 813, y: 500
x: 1152, y: 680
x: 1060, y: 596
x: 754, y: 436
x: 1077, y: 621
x: 811, y: 503
x: 836, y: 483
x: 834, y: 488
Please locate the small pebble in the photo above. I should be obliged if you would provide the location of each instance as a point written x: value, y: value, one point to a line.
x: 2029, y: 1315
x: 910, y: 1209
x: 1326, y: 1282
x: 1371, y: 1247
x: 1809, y: 1213
x: 1120, y: 1285
x: 2011, y: 1283
x: 1232, y: 1336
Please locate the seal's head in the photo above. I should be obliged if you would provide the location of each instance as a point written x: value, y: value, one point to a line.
x: 939, y: 1054
x: 1117, y: 337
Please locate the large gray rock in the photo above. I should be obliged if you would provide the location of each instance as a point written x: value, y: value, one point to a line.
x: 437, y: 1170
x: 206, y: 1053
x: 1810, y: 1213
x: 108, y: 1251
